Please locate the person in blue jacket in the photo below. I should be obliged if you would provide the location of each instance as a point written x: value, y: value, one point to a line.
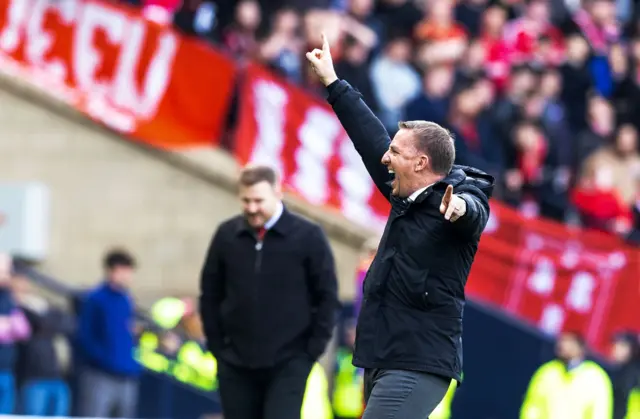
x: 108, y: 381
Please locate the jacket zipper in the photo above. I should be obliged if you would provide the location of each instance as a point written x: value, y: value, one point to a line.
x: 258, y: 265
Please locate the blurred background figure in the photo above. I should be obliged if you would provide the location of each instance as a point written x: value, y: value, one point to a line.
x: 625, y: 355
x: 14, y: 328
x: 569, y: 386
x: 109, y: 374
x: 43, y: 360
x: 273, y: 270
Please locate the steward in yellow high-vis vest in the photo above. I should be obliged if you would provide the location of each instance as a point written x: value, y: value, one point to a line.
x: 168, y: 311
x: 555, y: 392
x: 147, y: 353
x: 316, y: 403
x: 348, y: 394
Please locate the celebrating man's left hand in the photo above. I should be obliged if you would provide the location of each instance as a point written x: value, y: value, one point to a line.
x: 452, y: 206
x: 322, y: 64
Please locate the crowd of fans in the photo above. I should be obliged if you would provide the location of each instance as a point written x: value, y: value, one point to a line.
x: 541, y: 93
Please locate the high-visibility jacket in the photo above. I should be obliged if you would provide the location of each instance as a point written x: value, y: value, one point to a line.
x: 583, y: 392
x: 633, y: 407
x: 348, y: 395
x: 167, y: 312
x: 146, y: 353
x: 443, y: 410
x: 195, y: 366
x: 316, y: 404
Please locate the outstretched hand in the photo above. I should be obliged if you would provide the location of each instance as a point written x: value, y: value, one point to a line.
x: 453, y: 207
x: 321, y: 62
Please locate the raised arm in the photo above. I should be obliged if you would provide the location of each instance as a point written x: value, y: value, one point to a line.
x: 367, y: 133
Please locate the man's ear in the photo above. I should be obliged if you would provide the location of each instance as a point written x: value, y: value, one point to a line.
x: 422, y: 164
x: 278, y: 191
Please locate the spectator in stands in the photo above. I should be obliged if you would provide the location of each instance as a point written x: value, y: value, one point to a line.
x: 267, y: 303
x: 198, y: 17
x: 625, y: 354
x: 363, y: 25
x: 394, y: 64
x: 282, y: 49
x: 576, y: 82
x: 600, y: 126
x: 609, y: 184
x: 569, y: 386
x: 623, y: 160
x: 497, y: 64
x: 109, y: 376
x: 533, y: 39
x: 160, y: 11
x: 41, y: 363
x: 442, y: 39
x: 240, y: 37
x: 399, y: 16
x: 433, y: 103
x: 527, y: 175
x: 14, y: 328
x: 354, y: 64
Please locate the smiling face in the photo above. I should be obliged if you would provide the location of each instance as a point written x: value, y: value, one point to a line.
x: 405, y: 162
x: 259, y: 202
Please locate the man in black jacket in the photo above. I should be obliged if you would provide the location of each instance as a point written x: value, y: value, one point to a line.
x: 409, y: 333
x: 268, y: 302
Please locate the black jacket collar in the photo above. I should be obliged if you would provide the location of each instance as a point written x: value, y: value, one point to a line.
x: 283, y: 226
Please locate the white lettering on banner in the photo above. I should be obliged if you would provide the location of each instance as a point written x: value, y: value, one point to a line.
x: 355, y: 182
x: 552, y: 319
x: 317, y: 136
x: 86, y: 58
x: 39, y: 42
x: 270, y: 101
x: 126, y: 93
x: 542, y: 280
x: 117, y: 101
x: 17, y: 13
x: 580, y: 295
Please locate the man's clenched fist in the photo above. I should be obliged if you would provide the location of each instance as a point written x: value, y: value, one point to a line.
x: 322, y: 63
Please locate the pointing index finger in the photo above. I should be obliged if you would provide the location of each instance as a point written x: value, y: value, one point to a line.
x: 325, y: 43
x: 447, y: 195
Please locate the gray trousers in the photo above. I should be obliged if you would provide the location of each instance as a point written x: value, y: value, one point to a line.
x: 102, y: 395
x: 401, y: 394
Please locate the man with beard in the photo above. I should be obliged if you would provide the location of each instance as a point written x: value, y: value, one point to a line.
x: 268, y: 302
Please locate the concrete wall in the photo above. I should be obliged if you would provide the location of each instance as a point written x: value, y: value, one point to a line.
x: 107, y: 192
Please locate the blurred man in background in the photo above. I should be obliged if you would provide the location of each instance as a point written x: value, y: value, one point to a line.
x: 109, y: 377
x: 625, y: 355
x: 569, y: 387
x: 268, y: 302
x: 43, y: 359
x: 14, y: 328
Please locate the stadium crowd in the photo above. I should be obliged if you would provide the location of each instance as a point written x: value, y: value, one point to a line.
x: 541, y: 93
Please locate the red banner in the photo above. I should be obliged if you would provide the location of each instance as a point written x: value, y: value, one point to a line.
x: 281, y: 124
x: 550, y: 275
x: 556, y: 277
x: 132, y: 75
